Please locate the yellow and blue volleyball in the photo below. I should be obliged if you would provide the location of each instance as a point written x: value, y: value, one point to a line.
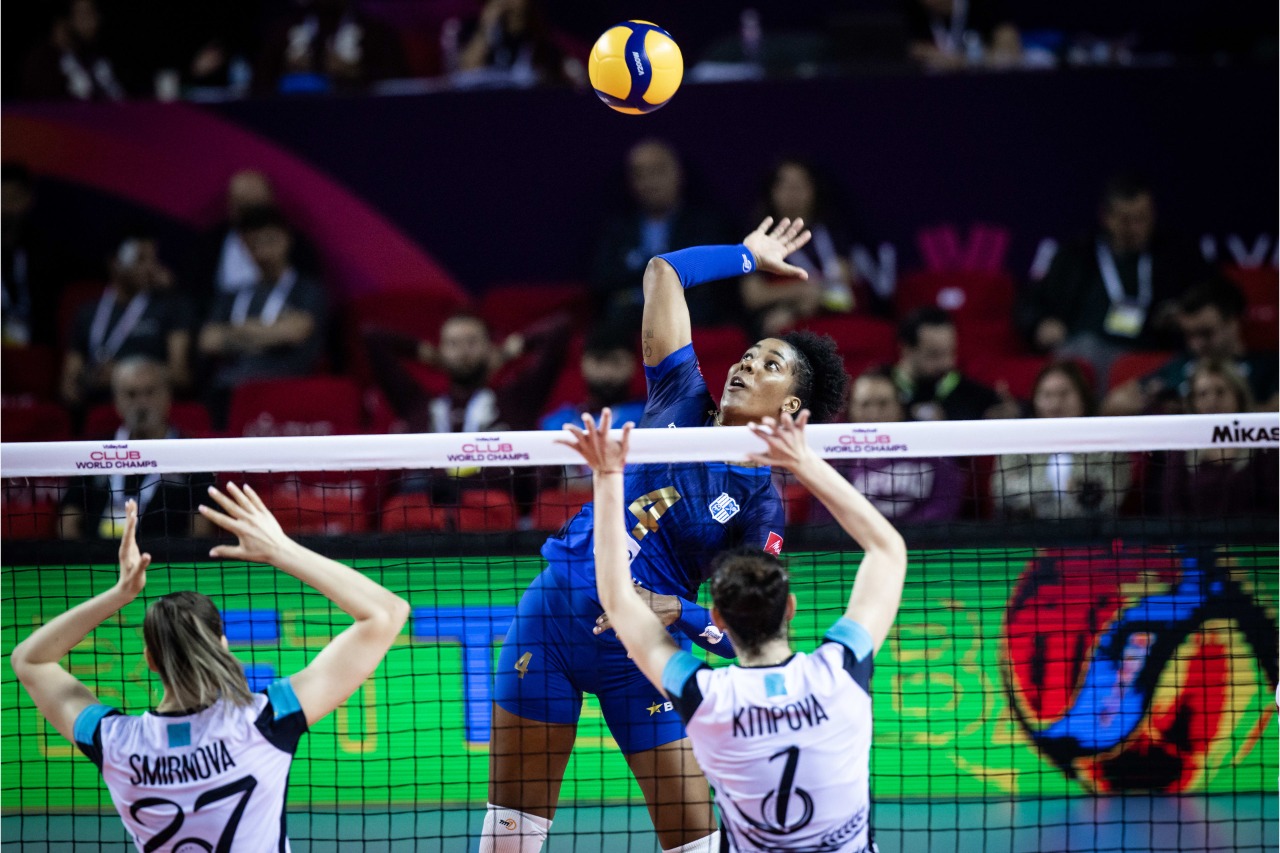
x: 635, y: 67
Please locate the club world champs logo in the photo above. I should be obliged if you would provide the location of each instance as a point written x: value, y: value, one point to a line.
x: 1139, y: 670
x: 860, y: 440
x: 114, y: 457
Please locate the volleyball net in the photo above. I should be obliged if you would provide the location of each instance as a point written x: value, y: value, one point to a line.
x: 1085, y: 656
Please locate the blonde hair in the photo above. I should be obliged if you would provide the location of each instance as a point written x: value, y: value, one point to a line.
x: 183, y: 632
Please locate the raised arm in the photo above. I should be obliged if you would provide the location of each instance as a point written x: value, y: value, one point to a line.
x: 639, y: 629
x: 379, y: 614
x: 58, y: 694
x: 666, y: 327
x: 877, y: 590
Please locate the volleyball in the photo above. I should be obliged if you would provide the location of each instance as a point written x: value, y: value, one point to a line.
x: 635, y: 67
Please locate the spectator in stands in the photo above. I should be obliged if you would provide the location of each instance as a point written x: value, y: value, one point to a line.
x: 1114, y: 292
x: 234, y: 269
x: 1220, y: 482
x: 608, y: 368
x: 1209, y: 316
x: 511, y: 44
x: 324, y: 46
x: 946, y: 35
x: 775, y: 305
x: 659, y: 220
x: 928, y: 381
x: 907, y: 491
x: 29, y: 284
x: 70, y: 65
x: 95, y: 506
x: 1060, y: 485
x: 137, y: 315
x: 471, y: 359
x: 273, y: 329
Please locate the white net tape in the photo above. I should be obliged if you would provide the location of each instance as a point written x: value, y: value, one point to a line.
x: 508, y: 449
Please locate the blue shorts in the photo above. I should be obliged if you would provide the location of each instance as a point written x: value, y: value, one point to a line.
x: 550, y: 658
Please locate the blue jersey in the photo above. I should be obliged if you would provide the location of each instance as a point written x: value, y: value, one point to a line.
x: 679, y: 515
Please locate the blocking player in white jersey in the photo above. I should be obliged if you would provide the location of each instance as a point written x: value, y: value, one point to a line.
x: 783, y: 737
x: 207, y: 770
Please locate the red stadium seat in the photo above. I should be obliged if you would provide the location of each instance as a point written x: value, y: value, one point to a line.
x: 34, y: 422
x: 964, y: 293
x: 718, y: 348
x: 489, y: 510
x: 330, y: 510
x: 189, y: 418
x: 864, y: 342
x: 1135, y: 365
x: 28, y: 521
x: 570, y: 387
x: 797, y: 504
x: 30, y: 372
x: 413, y: 512
x: 317, y: 405
x: 512, y: 307
x: 556, y: 506
x: 1261, y: 287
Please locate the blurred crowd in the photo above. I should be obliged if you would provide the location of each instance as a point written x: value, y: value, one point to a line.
x: 218, y: 49
x: 1125, y: 319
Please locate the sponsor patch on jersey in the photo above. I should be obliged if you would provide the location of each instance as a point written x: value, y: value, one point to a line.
x: 179, y: 734
x: 773, y: 544
x: 724, y: 508
x: 508, y: 823
x: 775, y: 684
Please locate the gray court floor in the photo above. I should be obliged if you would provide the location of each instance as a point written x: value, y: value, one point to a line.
x: 1132, y: 824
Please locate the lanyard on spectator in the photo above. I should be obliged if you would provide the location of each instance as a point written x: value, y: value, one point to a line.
x: 103, y: 347
x: 1111, y: 277
x: 271, y: 308
x: 112, y: 524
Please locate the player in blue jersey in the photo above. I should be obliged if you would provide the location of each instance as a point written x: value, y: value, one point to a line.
x: 678, y: 516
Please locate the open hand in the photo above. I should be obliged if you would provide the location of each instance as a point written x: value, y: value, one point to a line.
x: 605, y: 455
x: 771, y: 244
x: 133, y: 563
x: 785, y: 440
x: 246, y: 516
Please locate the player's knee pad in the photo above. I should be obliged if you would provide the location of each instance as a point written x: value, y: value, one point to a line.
x: 710, y: 844
x: 511, y: 831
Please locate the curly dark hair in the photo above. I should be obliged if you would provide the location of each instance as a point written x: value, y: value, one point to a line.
x: 749, y: 588
x: 820, y: 378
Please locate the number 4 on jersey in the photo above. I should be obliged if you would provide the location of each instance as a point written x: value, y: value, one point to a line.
x: 522, y: 665
x: 649, y: 509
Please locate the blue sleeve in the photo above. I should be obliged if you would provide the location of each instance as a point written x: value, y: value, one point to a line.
x: 680, y: 683
x: 859, y: 649
x: 87, y: 731
x: 282, y: 722
x: 695, y: 621
x: 677, y: 393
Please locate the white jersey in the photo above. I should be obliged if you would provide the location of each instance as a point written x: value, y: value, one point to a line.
x: 212, y: 781
x: 785, y: 747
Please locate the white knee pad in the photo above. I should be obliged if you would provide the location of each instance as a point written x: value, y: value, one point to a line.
x: 710, y: 844
x: 510, y: 831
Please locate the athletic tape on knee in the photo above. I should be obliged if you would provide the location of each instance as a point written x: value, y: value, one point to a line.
x: 511, y: 831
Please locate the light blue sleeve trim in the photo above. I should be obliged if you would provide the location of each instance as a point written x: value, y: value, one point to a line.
x: 679, y: 669
x: 283, y: 700
x: 852, y: 636
x: 87, y: 723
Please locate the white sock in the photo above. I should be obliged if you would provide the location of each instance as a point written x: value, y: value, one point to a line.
x: 510, y: 831
x: 710, y: 844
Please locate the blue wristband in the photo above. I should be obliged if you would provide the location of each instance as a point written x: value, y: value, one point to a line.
x: 702, y: 264
x: 695, y: 621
